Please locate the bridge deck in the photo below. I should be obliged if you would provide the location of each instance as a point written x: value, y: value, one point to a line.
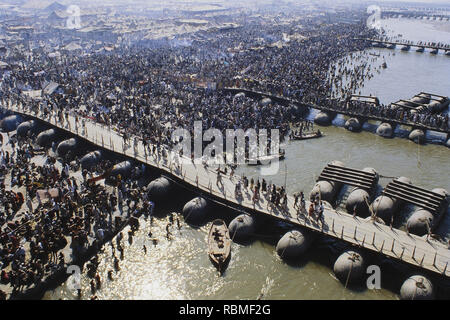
x: 399, y: 43
x: 418, y: 251
x: 340, y: 111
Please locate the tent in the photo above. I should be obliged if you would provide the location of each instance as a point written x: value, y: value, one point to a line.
x: 4, y: 66
x: 51, y: 87
x: 47, y: 194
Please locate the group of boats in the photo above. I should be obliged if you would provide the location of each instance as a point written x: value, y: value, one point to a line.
x: 294, y: 135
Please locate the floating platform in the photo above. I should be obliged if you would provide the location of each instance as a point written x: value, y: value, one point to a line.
x: 354, y: 177
x: 420, y: 197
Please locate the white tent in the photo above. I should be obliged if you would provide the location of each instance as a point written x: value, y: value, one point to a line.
x: 51, y: 87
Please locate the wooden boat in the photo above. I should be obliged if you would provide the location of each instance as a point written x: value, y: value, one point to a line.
x: 313, y: 135
x: 266, y: 159
x: 405, y: 48
x: 219, y: 245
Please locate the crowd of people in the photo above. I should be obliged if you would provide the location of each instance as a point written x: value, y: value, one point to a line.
x: 43, y: 230
x: 277, y: 197
x: 151, y: 91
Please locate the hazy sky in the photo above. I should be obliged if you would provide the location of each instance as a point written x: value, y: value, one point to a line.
x: 422, y: 1
x: 43, y: 3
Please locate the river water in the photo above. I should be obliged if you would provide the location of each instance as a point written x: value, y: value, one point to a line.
x: 180, y: 268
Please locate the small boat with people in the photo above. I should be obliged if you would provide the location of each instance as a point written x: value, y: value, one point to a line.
x: 305, y: 136
x: 219, y: 245
x: 266, y: 159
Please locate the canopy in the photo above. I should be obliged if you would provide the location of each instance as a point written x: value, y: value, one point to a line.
x: 47, y: 194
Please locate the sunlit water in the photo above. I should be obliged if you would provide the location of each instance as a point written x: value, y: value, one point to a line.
x: 180, y: 268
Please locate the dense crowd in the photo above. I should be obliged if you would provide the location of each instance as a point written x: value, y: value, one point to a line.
x: 43, y: 230
x: 151, y: 91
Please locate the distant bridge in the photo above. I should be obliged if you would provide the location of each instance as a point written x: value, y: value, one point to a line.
x: 407, y: 45
x: 415, y: 14
x: 350, y: 113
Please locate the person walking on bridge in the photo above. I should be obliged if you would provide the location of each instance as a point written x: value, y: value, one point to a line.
x: 219, y: 178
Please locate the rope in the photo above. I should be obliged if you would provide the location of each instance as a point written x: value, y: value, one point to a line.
x: 282, y: 254
x: 418, y: 155
x: 387, y: 177
x: 186, y: 219
x: 415, y: 291
x: 348, y: 276
x: 368, y: 205
x: 376, y: 210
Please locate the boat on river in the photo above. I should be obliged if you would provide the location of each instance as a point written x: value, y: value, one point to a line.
x: 312, y: 135
x: 262, y: 160
x: 219, y: 245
